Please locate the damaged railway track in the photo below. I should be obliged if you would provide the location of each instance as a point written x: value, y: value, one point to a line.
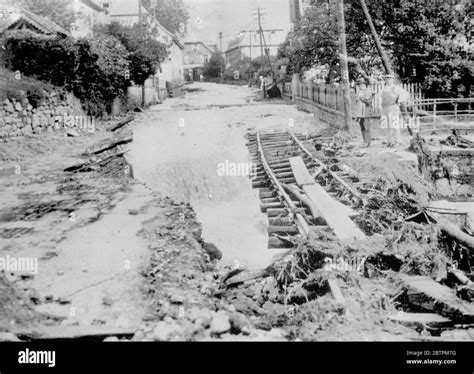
x: 303, y: 195
x: 300, y: 193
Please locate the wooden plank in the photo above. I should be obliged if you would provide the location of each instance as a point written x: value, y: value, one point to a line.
x: 336, y: 291
x: 420, y: 320
x: 336, y: 217
x: 427, y: 294
x: 302, y: 175
x: 96, y: 332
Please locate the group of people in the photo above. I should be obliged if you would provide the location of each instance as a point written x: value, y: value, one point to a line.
x: 392, y: 98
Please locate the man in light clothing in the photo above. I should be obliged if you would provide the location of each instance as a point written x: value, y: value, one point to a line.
x: 390, y: 99
x: 363, y: 109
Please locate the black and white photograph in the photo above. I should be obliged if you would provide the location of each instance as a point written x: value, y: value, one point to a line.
x: 214, y: 173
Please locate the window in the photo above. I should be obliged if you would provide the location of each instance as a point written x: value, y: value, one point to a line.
x: 106, y: 7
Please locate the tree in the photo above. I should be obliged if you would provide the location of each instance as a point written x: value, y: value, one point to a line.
x: 315, y: 42
x: 59, y: 11
x: 145, y: 54
x: 172, y: 14
x: 429, y: 44
x: 213, y: 67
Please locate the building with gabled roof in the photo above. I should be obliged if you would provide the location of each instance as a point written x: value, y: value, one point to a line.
x: 15, y: 18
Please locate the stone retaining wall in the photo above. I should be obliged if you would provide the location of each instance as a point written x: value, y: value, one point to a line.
x: 18, y: 117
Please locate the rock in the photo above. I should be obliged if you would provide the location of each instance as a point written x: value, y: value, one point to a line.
x: 133, y: 212
x: 263, y: 324
x: 204, y: 315
x: 34, y: 296
x: 8, y: 107
x: 8, y: 337
x: 239, y: 322
x: 246, y: 305
x: 69, y: 322
x: 277, y: 334
x: 166, y: 330
x: 36, y: 120
x: 27, y: 130
x: 276, y: 313
x: 111, y: 339
x: 272, y: 335
x: 212, y: 251
x: 220, y: 323
x: 55, y: 310
x: 139, y: 336
x: 270, y: 289
x: 456, y: 335
x: 63, y: 301
x: 177, y: 299
x: 107, y: 301
x: 18, y: 107
x: 246, y: 330
x: 72, y: 133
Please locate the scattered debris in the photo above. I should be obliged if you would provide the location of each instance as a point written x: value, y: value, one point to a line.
x: 424, y: 293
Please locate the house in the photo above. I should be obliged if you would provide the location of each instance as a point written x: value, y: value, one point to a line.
x: 128, y: 13
x: 196, y: 55
x: 88, y: 14
x: 13, y: 18
x: 248, y: 44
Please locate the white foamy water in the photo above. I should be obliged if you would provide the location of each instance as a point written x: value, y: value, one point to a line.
x: 182, y: 162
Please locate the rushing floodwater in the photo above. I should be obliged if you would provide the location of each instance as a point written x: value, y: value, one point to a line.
x: 198, y: 164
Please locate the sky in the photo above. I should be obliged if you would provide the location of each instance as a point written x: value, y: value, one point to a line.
x: 209, y: 17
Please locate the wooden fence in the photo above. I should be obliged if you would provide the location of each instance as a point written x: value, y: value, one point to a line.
x: 331, y: 96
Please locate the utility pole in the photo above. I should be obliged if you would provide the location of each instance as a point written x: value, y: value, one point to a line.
x: 260, y: 32
x: 222, y: 53
x: 344, y: 65
x: 383, y: 55
x: 267, y: 51
x: 140, y: 28
x: 250, y: 44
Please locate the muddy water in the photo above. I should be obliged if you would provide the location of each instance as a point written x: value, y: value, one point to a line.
x: 188, y: 163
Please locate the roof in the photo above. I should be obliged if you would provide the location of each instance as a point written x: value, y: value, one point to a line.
x: 92, y: 5
x: 126, y: 12
x: 205, y: 46
x: 15, y: 16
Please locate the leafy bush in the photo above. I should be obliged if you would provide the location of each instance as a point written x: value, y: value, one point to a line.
x: 214, y: 66
x: 50, y: 59
x: 13, y: 88
x: 145, y: 53
x: 95, y: 71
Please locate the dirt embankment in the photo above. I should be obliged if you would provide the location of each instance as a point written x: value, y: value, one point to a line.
x: 86, y: 228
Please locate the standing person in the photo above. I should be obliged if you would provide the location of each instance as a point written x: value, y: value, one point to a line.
x: 261, y: 80
x: 390, y: 111
x: 363, y: 109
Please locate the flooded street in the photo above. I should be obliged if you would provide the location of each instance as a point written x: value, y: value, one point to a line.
x: 195, y: 139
